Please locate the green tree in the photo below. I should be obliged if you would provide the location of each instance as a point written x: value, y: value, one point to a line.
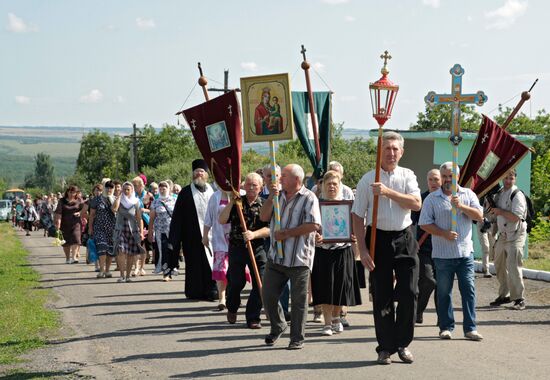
x: 43, y: 176
x: 438, y: 118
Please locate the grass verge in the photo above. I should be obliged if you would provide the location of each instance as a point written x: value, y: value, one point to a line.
x: 539, y: 256
x: 25, y: 321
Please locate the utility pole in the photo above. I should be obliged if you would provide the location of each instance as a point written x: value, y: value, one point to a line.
x: 133, y: 151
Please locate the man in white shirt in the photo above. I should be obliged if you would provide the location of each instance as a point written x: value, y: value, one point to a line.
x: 511, y: 212
x: 396, y: 248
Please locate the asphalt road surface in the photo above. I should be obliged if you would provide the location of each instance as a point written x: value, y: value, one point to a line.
x: 147, y: 329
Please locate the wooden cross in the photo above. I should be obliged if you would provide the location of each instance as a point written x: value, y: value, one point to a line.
x: 456, y: 98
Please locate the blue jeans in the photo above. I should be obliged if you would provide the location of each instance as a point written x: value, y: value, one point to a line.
x: 464, y: 270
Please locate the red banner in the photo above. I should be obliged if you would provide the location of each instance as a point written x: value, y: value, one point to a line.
x: 216, y: 127
x: 493, y: 154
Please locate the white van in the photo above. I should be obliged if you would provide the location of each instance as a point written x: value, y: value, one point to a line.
x: 5, y: 209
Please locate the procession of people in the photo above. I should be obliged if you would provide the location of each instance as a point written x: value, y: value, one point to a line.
x: 198, y: 232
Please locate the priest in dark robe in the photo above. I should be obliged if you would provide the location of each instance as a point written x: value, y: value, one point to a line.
x: 186, y: 233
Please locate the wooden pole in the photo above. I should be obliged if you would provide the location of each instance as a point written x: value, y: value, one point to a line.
x: 525, y: 96
x: 203, y: 82
x: 276, y: 207
x: 375, y: 197
x: 305, y: 67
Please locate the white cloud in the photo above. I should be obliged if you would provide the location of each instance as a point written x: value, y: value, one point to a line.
x: 469, y: 18
x: 505, y: 16
x: 120, y: 99
x: 94, y: 96
x: 250, y: 66
x: 145, y: 23
x: 17, y: 25
x: 335, y: 2
x: 22, y: 99
x: 350, y: 19
x: 432, y: 3
x: 318, y: 66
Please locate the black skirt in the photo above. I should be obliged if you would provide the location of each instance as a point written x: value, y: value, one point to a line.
x: 334, y: 279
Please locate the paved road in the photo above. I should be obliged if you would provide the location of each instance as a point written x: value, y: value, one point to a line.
x: 147, y: 329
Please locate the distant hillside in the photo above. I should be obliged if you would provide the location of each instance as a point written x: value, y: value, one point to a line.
x: 19, y: 145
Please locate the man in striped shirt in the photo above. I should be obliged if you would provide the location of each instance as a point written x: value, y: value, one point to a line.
x: 300, y: 219
x: 452, y: 252
x: 396, y: 248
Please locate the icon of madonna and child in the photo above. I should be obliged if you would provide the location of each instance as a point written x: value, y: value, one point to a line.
x: 267, y: 115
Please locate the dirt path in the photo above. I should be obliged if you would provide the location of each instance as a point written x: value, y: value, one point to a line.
x: 147, y: 329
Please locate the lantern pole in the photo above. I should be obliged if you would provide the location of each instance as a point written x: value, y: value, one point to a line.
x: 381, y: 114
x: 305, y: 67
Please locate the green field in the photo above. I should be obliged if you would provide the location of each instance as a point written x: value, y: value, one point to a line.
x: 25, y: 320
x: 17, y: 156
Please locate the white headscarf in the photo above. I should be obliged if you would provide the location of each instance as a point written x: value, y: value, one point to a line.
x: 168, y: 192
x: 132, y: 200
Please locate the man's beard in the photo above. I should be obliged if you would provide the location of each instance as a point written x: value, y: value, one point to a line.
x: 448, y: 186
x: 199, y: 182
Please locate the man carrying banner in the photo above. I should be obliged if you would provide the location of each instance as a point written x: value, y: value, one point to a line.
x: 238, y: 255
x: 186, y: 233
x: 396, y: 248
x: 300, y: 219
x: 511, y: 212
x: 453, y: 251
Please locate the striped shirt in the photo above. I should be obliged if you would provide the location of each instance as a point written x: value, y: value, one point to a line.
x: 302, y: 208
x: 391, y: 216
x: 437, y: 210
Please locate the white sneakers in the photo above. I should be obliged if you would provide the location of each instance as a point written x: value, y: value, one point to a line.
x: 335, y: 328
x: 327, y: 331
x: 473, y: 335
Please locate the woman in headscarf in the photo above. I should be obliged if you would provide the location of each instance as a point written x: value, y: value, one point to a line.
x: 101, y: 227
x: 69, y: 222
x: 159, y: 229
x: 128, y: 231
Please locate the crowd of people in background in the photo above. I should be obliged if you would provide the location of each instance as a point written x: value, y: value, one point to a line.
x: 134, y: 223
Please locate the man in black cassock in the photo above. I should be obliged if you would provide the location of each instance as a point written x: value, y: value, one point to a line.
x: 186, y: 232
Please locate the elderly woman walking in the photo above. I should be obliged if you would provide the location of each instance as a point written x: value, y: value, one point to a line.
x: 29, y: 216
x: 101, y: 227
x: 334, y: 279
x: 68, y: 221
x: 128, y: 231
x: 159, y: 229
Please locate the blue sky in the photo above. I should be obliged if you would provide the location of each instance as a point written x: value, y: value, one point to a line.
x: 111, y: 63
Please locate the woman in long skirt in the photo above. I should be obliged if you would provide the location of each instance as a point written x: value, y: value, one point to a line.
x: 159, y: 229
x: 334, y: 276
x: 128, y: 231
x: 101, y: 227
x: 68, y: 221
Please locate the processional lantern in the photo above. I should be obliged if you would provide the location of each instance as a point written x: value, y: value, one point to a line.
x: 383, y: 93
x: 382, y: 97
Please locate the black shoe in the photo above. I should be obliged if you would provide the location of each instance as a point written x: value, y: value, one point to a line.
x: 287, y: 317
x: 500, y: 301
x: 344, y: 321
x: 384, y: 358
x: 519, y: 304
x: 405, y: 355
x: 231, y: 317
x: 271, y: 339
x: 255, y: 325
x: 419, y: 319
x: 295, y: 346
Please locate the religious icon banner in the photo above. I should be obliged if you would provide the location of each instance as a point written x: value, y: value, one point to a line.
x: 494, y: 153
x: 216, y: 127
x: 267, y: 108
x: 304, y: 128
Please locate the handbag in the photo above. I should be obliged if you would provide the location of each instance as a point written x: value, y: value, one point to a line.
x: 92, y: 251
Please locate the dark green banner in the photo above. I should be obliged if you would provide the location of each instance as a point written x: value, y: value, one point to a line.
x: 303, y: 127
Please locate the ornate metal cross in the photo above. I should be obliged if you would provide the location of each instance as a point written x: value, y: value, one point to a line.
x: 456, y: 98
